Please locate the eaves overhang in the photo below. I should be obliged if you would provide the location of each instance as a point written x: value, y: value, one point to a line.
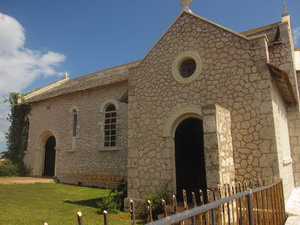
x: 283, y: 84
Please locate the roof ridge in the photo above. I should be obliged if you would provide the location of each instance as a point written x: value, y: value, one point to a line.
x: 46, y: 88
x: 260, y: 28
x: 107, y: 69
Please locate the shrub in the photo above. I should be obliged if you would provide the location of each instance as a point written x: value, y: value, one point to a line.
x: 110, y: 204
x: 115, y: 201
x: 121, y: 192
x: 7, y: 168
x: 156, y: 203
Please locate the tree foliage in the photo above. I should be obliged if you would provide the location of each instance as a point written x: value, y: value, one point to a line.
x: 17, y: 134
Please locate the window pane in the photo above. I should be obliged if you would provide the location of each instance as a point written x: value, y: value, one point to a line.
x: 110, y: 108
x: 110, y: 126
x: 74, y: 124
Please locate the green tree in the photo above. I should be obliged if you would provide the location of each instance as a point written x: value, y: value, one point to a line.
x: 17, y: 134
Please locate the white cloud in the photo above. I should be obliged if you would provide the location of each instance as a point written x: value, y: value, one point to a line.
x: 296, y: 35
x: 20, y: 66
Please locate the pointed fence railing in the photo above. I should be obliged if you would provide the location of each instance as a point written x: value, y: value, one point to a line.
x: 243, y: 204
x: 260, y: 202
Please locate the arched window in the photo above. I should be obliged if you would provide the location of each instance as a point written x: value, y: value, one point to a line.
x: 110, y: 131
x: 74, y: 123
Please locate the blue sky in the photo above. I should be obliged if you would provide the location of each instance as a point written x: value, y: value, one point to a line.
x: 81, y: 37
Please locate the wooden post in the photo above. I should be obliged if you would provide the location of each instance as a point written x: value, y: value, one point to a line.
x: 105, y: 214
x: 175, y: 204
x: 195, y: 206
x: 150, y: 217
x: 164, y: 207
x: 80, y: 218
x: 185, y: 204
x: 207, y: 220
x: 201, y: 203
x: 132, y: 212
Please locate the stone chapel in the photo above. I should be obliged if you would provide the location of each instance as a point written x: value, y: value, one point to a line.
x: 205, y: 106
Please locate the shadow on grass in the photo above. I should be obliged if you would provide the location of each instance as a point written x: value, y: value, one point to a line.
x: 89, y: 202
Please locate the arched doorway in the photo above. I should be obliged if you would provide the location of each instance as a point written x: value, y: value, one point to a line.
x: 189, y: 157
x: 49, y: 162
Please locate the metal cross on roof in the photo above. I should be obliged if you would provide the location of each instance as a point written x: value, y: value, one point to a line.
x: 185, y: 3
x: 284, y: 6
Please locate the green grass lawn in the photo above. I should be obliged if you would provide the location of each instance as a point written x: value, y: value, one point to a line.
x: 56, y: 204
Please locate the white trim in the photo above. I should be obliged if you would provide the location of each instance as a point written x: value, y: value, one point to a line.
x: 108, y: 149
x: 179, y: 60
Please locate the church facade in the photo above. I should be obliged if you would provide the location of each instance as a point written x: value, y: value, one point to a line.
x: 205, y: 106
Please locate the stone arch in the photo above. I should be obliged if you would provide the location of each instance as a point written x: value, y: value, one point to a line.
x: 107, y: 102
x: 74, y: 108
x: 40, y: 150
x: 179, y: 115
x: 171, y: 124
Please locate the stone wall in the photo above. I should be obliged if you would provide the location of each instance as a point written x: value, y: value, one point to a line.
x: 227, y: 170
x: 218, y: 146
x: 282, y: 55
x: 89, y: 163
x: 295, y: 143
x: 234, y: 75
x: 282, y: 141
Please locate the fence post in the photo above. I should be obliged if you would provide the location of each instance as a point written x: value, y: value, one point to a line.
x: 195, y: 206
x: 201, y: 203
x: 282, y: 202
x: 185, y: 204
x: 164, y: 207
x: 175, y: 204
x: 80, y: 218
x: 150, y: 217
x: 105, y: 214
x: 250, y: 207
x: 132, y: 212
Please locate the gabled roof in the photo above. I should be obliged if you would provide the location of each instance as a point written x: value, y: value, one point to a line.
x: 203, y: 19
x: 272, y: 31
x: 100, y: 78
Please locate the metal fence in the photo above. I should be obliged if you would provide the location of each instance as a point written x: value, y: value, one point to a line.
x: 260, y: 202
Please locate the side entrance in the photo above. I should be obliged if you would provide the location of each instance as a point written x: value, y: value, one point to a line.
x: 50, y: 155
